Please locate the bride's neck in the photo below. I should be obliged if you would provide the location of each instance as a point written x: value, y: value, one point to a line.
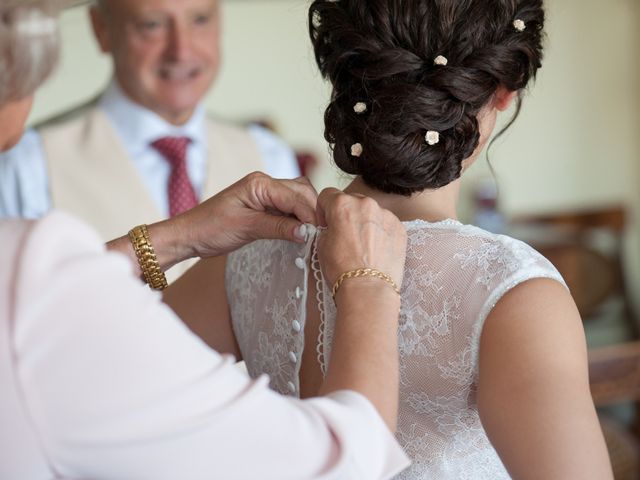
x: 430, y: 205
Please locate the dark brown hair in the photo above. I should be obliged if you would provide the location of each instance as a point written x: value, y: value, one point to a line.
x: 382, y: 52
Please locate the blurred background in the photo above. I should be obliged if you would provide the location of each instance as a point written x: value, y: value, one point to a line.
x: 576, y: 145
x: 566, y: 176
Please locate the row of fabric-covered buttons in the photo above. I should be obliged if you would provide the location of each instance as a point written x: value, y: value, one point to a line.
x: 307, y: 231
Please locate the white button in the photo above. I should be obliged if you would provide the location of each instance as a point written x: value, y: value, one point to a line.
x: 292, y: 387
x: 311, y: 230
x: 303, y: 231
x: 298, y: 292
x: 293, y: 357
x: 300, y: 263
x: 296, y: 325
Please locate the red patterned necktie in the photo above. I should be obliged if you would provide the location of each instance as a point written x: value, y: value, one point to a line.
x: 182, y: 196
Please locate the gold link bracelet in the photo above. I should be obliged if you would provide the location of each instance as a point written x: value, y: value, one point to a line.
x: 146, y: 255
x: 363, y: 272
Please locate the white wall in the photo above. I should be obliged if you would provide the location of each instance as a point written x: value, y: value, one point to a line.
x: 576, y: 144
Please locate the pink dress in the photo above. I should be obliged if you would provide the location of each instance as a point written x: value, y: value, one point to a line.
x: 100, y: 380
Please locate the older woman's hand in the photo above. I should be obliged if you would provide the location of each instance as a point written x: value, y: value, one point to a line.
x: 364, y: 354
x: 360, y: 234
x: 255, y: 207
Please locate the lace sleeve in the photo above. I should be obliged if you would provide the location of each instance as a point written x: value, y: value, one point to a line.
x: 516, y: 263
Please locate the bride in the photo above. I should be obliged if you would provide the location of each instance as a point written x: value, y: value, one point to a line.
x: 493, y: 360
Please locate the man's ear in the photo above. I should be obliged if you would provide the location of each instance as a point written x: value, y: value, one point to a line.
x: 100, y: 28
x: 503, y: 99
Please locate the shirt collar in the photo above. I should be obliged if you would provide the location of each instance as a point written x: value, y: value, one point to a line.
x: 138, y: 127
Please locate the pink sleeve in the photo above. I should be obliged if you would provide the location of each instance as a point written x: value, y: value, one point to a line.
x: 118, y: 387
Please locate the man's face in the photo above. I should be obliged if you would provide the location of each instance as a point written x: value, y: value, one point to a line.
x: 165, y: 52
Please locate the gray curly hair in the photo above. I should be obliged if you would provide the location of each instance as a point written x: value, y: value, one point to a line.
x: 29, y: 44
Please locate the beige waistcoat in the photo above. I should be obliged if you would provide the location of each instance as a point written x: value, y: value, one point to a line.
x: 92, y: 177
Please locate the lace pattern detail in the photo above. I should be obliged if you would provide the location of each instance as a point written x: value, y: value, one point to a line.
x: 454, y: 275
x: 319, y: 279
x: 255, y: 283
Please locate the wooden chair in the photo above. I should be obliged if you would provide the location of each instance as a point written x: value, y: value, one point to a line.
x: 614, y: 376
x: 587, y: 249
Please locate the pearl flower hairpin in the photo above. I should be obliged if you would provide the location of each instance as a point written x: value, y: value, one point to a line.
x: 356, y: 149
x: 440, y: 60
x: 519, y: 25
x: 432, y: 137
x: 360, y: 107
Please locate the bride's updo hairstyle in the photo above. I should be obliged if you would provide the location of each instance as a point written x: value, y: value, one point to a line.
x: 410, y: 77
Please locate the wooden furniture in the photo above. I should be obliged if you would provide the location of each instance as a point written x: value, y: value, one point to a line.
x: 587, y: 248
x: 614, y: 377
x: 614, y: 373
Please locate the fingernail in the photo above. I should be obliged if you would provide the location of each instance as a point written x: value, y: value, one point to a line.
x: 301, y: 233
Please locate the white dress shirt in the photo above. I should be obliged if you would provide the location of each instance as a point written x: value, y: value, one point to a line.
x: 24, y: 185
x: 100, y: 380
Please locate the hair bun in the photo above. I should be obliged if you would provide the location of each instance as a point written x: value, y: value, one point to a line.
x: 414, y: 77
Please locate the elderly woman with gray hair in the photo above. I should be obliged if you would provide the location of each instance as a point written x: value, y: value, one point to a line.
x: 100, y: 379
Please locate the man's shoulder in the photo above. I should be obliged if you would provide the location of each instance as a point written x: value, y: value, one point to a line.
x: 225, y: 126
x: 228, y: 134
x: 264, y: 139
x: 72, y: 115
x: 276, y: 156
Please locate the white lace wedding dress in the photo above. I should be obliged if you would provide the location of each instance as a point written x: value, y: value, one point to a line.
x: 454, y: 276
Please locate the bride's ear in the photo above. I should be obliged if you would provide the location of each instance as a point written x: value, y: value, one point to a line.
x: 503, y: 99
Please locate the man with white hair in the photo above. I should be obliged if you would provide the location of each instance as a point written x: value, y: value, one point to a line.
x: 147, y: 136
